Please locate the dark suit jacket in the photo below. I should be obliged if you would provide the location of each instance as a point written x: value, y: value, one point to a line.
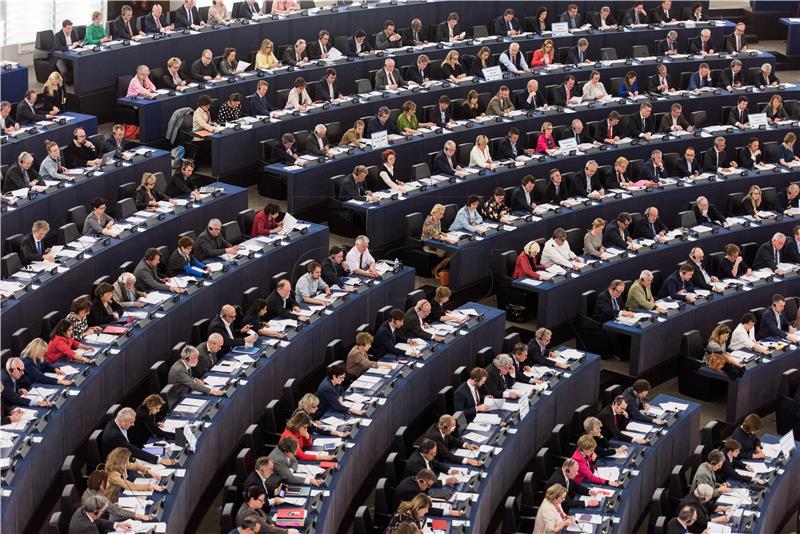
x: 61, y: 39
x: 642, y: 228
x: 444, y: 445
x: 290, y: 56
x: 595, y: 19
x: 613, y: 425
x: 560, y: 95
x: 180, y: 185
x: 682, y: 167
x: 315, y: 50
x: 602, y: 130
x: 385, y: 340
x: 182, y: 19
x: 783, y: 202
x: 674, y: 527
x: 10, y: 395
x: 80, y: 523
x: 244, y: 11
x: 696, y: 45
x: 443, y: 34
x: 413, y: 74
x: 582, y: 137
x: 350, y: 47
x: 518, y: 200
x: 228, y: 342
x: 440, y: 165
x: 658, y: 15
x: 612, y: 237
x: 28, y: 252
x: 16, y: 180
x: 765, y: 257
x: 672, y: 285
x: 573, y: 58
x: 662, y: 47
x: 710, y: 160
x: 729, y: 78
x: 25, y: 115
x: 696, y: 81
x: 328, y: 395
x: 374, y: 125
x: 759, y: 79
x: 278, y: 154
x: 712, y: 217
x: 574, y: 489
x: 120, y: 31
x: 496, y: 383
x: 697, y: 277
x: 501, y: 26
x: 111, y: 144
x: 205, y: 360
x: 578, y: 188
x: 650, y: 172
x: 322, y: 93
x: 550, y: 195
x: 653, y: 82
x: 725, y: 269
x: 604, y: 309
x: 791, y: 252
x: 630, y: 18
x: 146, y: 428
x: 350, y: 190
x: 504, y: 149
x: 422, y: 35
x: 746, y: 161
x: 729, y: 43
x: 260, y: 105
x: 416, y: 462
x: 578, y: 19
x: 411, y: 326
x: 312, y: 145
x: 539, y: 27
x: 149, y: 23
x: 436, y: 117
x: 638, y: 126
x: 666, y: 123
x: 536, y: 101
x: 463, y: 401
x: 332, y: 272
x: 112, y: 438
x: 770, y: 327
x: 276, y: 308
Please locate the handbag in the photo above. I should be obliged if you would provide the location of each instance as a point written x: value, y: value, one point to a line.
x: 516, y: 313
x: 716, y: 361
x: 444, y: 278
x: 131, y: 131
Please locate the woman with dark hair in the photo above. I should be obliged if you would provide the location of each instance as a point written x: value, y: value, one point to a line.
x: 483, y: 60
x: 266, y: 221
x: 470, y: 107
x: 541, y: 23
x: 386, y: 171
x: 183, y: 261
x: 78, y: 317
x: 254, y: 316
x: 97, y: 485
x: 297, y: 427
x: 629, y: 87
x: 63, y: 345
x: 104, y: 309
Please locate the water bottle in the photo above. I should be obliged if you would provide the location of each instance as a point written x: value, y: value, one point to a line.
x: 396, y: 265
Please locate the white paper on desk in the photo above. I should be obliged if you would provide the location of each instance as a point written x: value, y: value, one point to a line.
x: 478, y: 427
x: 718, y: 528
x: 100, y: 339
x: 464, y: 496
x: 635, y: 426
x: 758, y: 467
x: 216, y: 381
x: 608, y: 473
x: 475, y: 437
x: 745, y: 473
x: 227, y: 367
x: 466, y: 453
x: 321, y: 442
x: 155, y: 297
x: 634, y: 435
x: 673, y: 406
x: 487, y: 419
x: 571, y: 354
x: 170, y: 425
x: 530, y: 282
x: 309, y: 469
x: 332, y: 421
x: 183, y: 408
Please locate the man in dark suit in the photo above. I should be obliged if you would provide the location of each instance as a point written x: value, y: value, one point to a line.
x: 296, y: 54
x: 674, y: 121
x: 284, y: 152
x: 566, y: 93
x: 532, y: 99
x: 642, y: 124
x: 578, y: 55
x: 352, y: 186
x: 388, y: 335
x: 414, y: 320
x: 416, y: 34
x: 586, y: 183
x: 124, y: 27
x: 522, y: 197
x: 572, y: 17
x: 445, y: 161
x: 330, y: 392
x: 614, y: 419
x: 717, y: 157
x: 187, y: 15
x: 32, y: 247
x: 421, y: 73
x: 227, y: 325
x: 539, y: 352
x: 115, y: 434
x: 87, y: 519
x: 246, y: 10
x: 440, y: 115
x: 207, y: 354
x: 442, y: 433
x: 737, y: 41
x: 410, y: 486
x: 555, y: 192
x: 317, y: 143
x: 770, y: 254
x: 357, y: 45
x: 469, y: 397
x: 381, y: 122
x: 281, y: 303
x: 683, y: 522
x: 155, y: 22
x: 678, y: 285
x: 706, y: 213
x: 319, y: 49
x: 663, y: 13
x: 774, y: 322
x: 650, y: 226
x: 733, y: 77
x: 751, y: 155
x: 701, y: 78
x: 603, y: 19
x: 702, y: 277
x: 566, y: 477
x: 661, y: 82
x: 116, y: 142
x: 22, y: 174
x: 327, y: 88
x: 424, y: 457
x: 790, y: 198
x: 258, y: 477
x: 507, y: 24
x: 259, y: 103
x: 669, y: 45
x: 449, y: 30
x: 765, y: 77
x: 499, y: 379
x: 609, y: 130
x: 26, y: 111
x: 578, y: 132
x: 510, y: 147
x: 333, y: 270
x: 688, y: 165
x: 609, y: 305
x: 65, y: 39
x: 739, y: 116
x: 635, y: 15
x: 636, y: 397
x: 653, y: 169
x: 701, y: 45
x: 15, y: 388
x: 388, y: 38
x: 616, y: 233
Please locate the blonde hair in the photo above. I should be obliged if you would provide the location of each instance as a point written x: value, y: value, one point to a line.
x: 35, y: 350
x: 481, y: 140
x: 546, y: 126
x: 264, y: 44
x: 53, y: 81
x: 790, y: 139
x: 363, y: 338
x: 437, y: 208
x: 449, y: 57
x: 412, y: 507
x: 586, y: 443
x: 146, y: 177
x: 545, y: 43
x: 598, y: 223
x: 309, y: 400
x: 118, y: 460
x: 554, y: 492
x: 174, y: 61
x: 97, y: 15
x: 531, y: 248
x: 754, y: 188
x: 621, y: 162
x: 719, y: 331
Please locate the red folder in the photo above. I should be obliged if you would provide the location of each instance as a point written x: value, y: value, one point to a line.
x: 291, y: 513
x: 439, y: 524
x: 114, y: 330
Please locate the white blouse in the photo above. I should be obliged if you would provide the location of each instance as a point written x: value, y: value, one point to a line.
x: 593, y: 91
x: 741, y: 338
x: 480, y: 158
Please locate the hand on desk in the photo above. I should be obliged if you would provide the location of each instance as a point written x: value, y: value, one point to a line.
x: 166, y: 461
x: 614, y: 483
x: 451, y: 481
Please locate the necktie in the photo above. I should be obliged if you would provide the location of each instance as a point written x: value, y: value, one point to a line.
x: 509, y: 25
x: 777, y: 256
x: 323, y: 48
x: 566, y: 89
x: 588, y: 183
x: 158, y: 22
x: 25, y: 177
x: 705, y: 46
x: 741, y: 116
x: 666, y: 14
x: 717, y: 153
x: 361, y: 261
x: 653, y: 229
x: 615, y: 420
x: 128, y: 25
x: 189, y: 16
x: 610, y: 133
x: 331, y: 91
x: 416, y: 36
x: 615, y: 304
x: 39, y: 247
x: 514, y: 149
x: 737, y: 43
x: 475, y: 396
x: 669, y: 44
x: 580, y: 57
x: 556, y: 189
x: 636, y: 15
x: 578, y: 138
x: 253, y: 9
x: 620, y: 179
x: 390, y: 78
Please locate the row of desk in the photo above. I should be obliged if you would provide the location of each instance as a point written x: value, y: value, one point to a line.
x: 154, y: 114
x: 57, y: 292
x: 14, y: 82
x: 39, y: 454
x: 308, y: 187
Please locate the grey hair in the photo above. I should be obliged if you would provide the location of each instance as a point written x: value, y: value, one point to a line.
x: 590, y: 423
x: 95, y: 504
x: 646, y: 275
x: 126, y: 277
x: 215, y: 223
x: 362, y: 239
x: 502, y: 360
x: 188, y: 351
x: 11, y: 362
x: 125, y: 414
x: 703, y: 492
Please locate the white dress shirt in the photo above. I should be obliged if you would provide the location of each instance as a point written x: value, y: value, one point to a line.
x: 358, y: 260
x: 480, y: 158
x: 553, y: 254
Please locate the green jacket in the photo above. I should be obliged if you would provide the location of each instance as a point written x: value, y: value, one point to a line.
x: 639, y: 298
x: 94, y: 33
x: 404, y: 122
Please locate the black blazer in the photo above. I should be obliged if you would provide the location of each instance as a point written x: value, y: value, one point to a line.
x: 444, y: 445
x: 630, y: 18
x: 436, y: 116
x: 146, y: 428
x: 290, y: 56
x: 413, y: 74
x: 771, y: 327
x: 729, y: 78
x: 573, y: 489
x: 697, y: 277
x: 574, y: 59
x: 518, y: 200
x: 650, y: 172
x: 725, y: 269
x: 15, y: 179
x: 594, y: 19
x: 501, y: 26
x: 228, y: 342
x: 443, y: 33
x: 243, y: 11
x: 560, y: 95
x: 540, y: 27
x: 61, y: 40
x: 578, y: 186
x: 27, y: 114
x: 463, y: 401
x: 613, y: 425
x: 735, y: 116
x: 658, y: 15
x: 440, y: 165
x: 766, y: 258
x: 783, y: 203
x: 710, y: 160
x: 496, y: 384
x: 602, y: 130
x: 374, y: 125
x: 653, y: 82
x: 662, y: 47
x: 276, y: 308
x: 550, y: 195
x: 412, y: 326
x: 452, y: 70
x: 604, y: 309
x: 149, y: 23
x: 112, y: 437
x: 177, y: 262
x: 745, y: 159
x: 98, y: 315
x: 180, y: 185
x: 315, y: 50
x: 536, y: 101
x: 713, y: 216
x: 538, y: 354
x: 182, y: 18
x: 504, y: 149
x: 422, y: 36
x: 696, y: 45
x: 638, y: 126
x: 167, y: 81
x: 682, y: 167
x: 666, y: 123
x: 322, y: 93
x: 349, y: 189
x: 612, y: 237
x: 729, y: 43
x: 312, y: 145
x: 582, y: 137
x: 111, y: 144
x: 643, y: 230
x: 416, y: 462
x: 279, y: 154
x: 385, y: 340
x: 28, y: 252
x: 350, y: 47
x: 120, y: 31
x: 141, y: 198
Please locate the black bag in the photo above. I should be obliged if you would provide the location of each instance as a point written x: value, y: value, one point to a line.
x: 516, y: 313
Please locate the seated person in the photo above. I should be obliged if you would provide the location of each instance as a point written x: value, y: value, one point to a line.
x: 181, y: 379
x: 63, y: 345
x: 266, y: 221
x: 630, y: 85
x: 702, y: 45
x: 388, y: 38
x: 421, y: 74
x: 539, y: 352
x: 614, y: 419
x: 744, y: 335
x: 116, y: 142
x: 231, y: 109
x: 555, y: 192
x: 297, y: 54
x: 54, y: 95
x: 609, y: 305
x: 733, y: 77
x: 586, y: 183
x: 23, y: 175
x: 467, y: 219
x: 353, y: 187
x: 183, y: 261
x: 751, y: 156
x: 449, y: 30
x: 265, y: 57
x: 717, y: 158
x: 140, y: 85
x: 156, y: 22
x: 616, y: 234
x: 357, y: 45
x: 331, y: 393
x: 310, y: 285
x: 204, y: 69
x: 669, y: 45
x: 255, y: 316
x: 147, y: 195
x: 148, y: 277
x: 281, y: 7
x: 182, y: 181
x: 739, y: 116
x: 389, y: 78
x: 298, y: 97
x: 566, y: 94
x: 494, y: 208
x: 678, y: 285
x: 593, y: 240
x: 774, y: 109
x: 317, y: 143
x: 733, y: 265
x: 546, y: 142
x: 706, y: 213
x: 172, y: 78
x: 33, y: 248
x: 661, y: 82
x: 470, y: 397
x: 650, y: 226
x: 358, y: 359
x: 578, y: 55
x: 359, y: 260
x: 386, y: 171
x: 327, y: 88
x: 774, y: 323
x: 246, y: 10
x: 451, y: 68
x: 432, y: 230
x: 104, y: 309
x: 381, y: 122
x: 26, y: 111
x: 480, y: 156
x: 526, y: 264
x: 298, y: 427
x: 416, y: 34
x: 585, y: 456
x: 124, y: 27
x: 440, y: 116
x: 556, y: 251
x: 640, y: 295
x: 766, y: 78
x: 80, y: 152
x: 446, y: 163
x: 98, y: 222
x: 674, y: 121
x: 500, y: 104
x: 603, y: 20
x: 285, y: 152
x: 700, y: 79
x: 572, y: 17
x: 541, y: 58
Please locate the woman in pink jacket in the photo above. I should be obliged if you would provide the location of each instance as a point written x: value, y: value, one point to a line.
x: 585, y: 456
x: 140, y: 84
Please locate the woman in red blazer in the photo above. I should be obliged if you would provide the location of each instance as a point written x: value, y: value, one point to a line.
x: 545, y: 55
x: 526, y: 264
x: 297, y: 427
x: 62, y: 345
x: 546, y: 140
x: 585, y: 456
x: 266, y: 221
